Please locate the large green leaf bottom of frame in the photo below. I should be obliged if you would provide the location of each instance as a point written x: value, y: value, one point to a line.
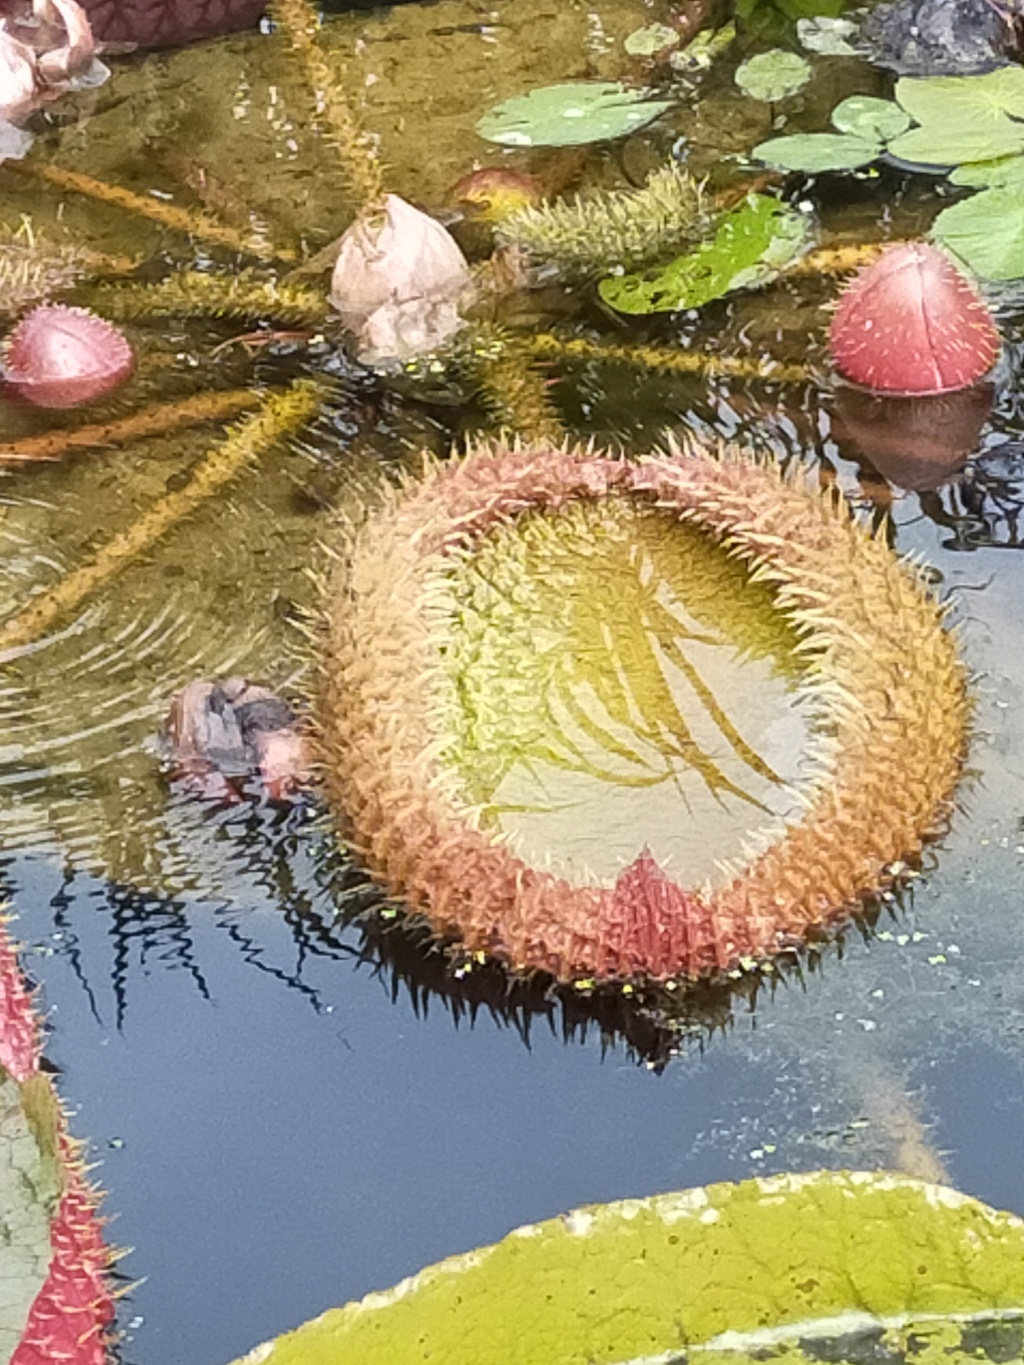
x: 838, y: 1266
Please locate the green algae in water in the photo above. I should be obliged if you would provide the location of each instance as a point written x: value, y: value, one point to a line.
x: 617, y: 680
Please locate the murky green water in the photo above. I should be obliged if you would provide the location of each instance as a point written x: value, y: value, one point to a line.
x: 286, y: 1115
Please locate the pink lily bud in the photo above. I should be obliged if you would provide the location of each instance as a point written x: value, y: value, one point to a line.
x: 70, y: 55
x: 397, y: 283
x: 46, y: 48
x: 18, y: 93
x: 911, y: 322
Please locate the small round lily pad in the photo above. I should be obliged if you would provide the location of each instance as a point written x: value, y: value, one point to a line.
x: 773, y: 75
x: 570, y: 115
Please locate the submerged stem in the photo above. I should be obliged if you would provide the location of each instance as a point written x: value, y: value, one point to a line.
x: 194, y: 223
x: 194, y: 293
x: 281, y: 413
x: 360, y: 163
x: 153, y: 421
x: 837, y: 260
x: 665, y: 359
x: 513, y: 389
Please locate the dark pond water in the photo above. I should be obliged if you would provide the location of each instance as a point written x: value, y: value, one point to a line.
x: 290, y: 1102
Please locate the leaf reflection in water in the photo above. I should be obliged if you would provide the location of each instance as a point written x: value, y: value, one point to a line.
x: 602, y: 650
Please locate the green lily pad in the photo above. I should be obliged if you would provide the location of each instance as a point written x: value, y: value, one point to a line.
x: 963, y: 101
x: 817, y: 152
x: 650, y: 40
x: 986, y: 232
x: 773, y: 75
x: 1004, y: 172
x: 570, y: 115
x: 751, y: 244
x: 962, y: 118
x: 873, y: 119
x: 787, y: 1268
x: 29, y: 1190
x: 827, y: 36
x: 950, y: 143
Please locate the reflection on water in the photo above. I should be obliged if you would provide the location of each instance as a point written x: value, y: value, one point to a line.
x: 619, y: 678
x: 262, y: 1044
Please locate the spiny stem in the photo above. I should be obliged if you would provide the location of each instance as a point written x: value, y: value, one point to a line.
x: 513, y: 389
x: 195, y: 224
x: 174, y: 415
x: 193, y: 293
x: 837, y: 260
x: 280, y: 414
x: 359, y: 161
x: 665, y: 360
x: 33, y: 269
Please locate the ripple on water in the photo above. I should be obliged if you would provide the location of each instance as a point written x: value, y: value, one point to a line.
x: 82, y: 711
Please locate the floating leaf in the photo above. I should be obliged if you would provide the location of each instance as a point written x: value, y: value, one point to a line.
x: 949, y: 143
x: 986, y: 232
x: 828, y: 1266
x: 570, y: 115
x: 29, y: 1189
x: 773, y: 75
x: 817, y: 152
x: 827, y: 36
x: 962, y: 118
x: 751, y: 244
x: 650, y: 40
x: 1005, y: 171
x: 870, y: 118
x: 964, y: 101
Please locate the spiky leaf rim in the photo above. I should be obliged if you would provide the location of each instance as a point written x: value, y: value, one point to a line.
x: 71, y: 1316
x: 887, y: 690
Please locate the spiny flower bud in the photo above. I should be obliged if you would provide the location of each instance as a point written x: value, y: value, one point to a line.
x: 912, y: 323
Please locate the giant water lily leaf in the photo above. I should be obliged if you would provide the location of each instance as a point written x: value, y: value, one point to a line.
x: 751, y: 244
x: 773, y: 75
x: 570, y: 115
x: 817, y: 152
x: 863, y: 122
x: 794, y: 1267
x: 599, y: 683
x: 827, y: 36
x: 986, y: 232
x: 29, y: 1190
x: 650, y: 40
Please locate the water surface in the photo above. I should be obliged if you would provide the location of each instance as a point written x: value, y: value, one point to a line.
x: 293, y: 1105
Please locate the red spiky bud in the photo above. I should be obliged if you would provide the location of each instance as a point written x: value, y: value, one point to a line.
x: 912, y: 323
